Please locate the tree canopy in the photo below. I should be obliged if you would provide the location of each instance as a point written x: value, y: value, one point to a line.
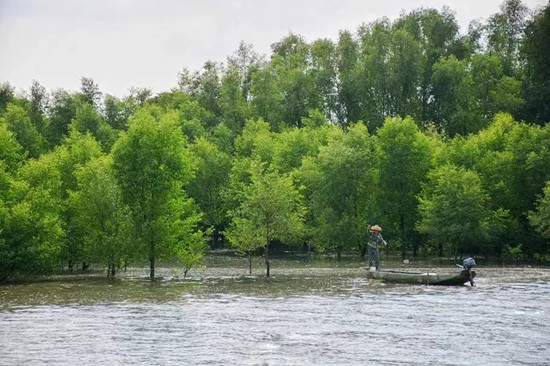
x: 440, y: 136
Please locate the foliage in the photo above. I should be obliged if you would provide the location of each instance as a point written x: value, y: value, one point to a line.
x: 454, y: 210
x: 270, y: 209
x: 99, y: 208
x: 152, y: 165
x: 404, y: 157
x: 338, y: 185
x: 455, y: 145
x: 540, y: 218
x: 19, y: 123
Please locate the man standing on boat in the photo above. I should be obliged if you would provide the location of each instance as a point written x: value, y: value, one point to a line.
x: 375, y: 239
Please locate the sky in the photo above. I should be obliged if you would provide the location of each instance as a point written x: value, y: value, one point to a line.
x: 145, y: 43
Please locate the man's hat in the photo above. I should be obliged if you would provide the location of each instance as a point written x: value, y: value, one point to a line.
x: 376, y: 228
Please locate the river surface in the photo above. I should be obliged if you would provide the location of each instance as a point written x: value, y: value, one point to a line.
x: 307, y: 313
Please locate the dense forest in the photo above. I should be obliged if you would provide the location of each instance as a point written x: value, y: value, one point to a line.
x: 439, y: 136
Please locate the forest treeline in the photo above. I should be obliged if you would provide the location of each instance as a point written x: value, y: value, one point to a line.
x: 440, y: 137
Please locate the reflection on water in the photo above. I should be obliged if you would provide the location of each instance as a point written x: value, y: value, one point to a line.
x: 307, y: 313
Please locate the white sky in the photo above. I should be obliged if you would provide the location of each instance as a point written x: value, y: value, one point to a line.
x: 145, y: 43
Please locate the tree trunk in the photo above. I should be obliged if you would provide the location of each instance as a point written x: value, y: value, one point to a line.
x: 362, y: 251
x: 249, y: 263
x: 267, y: 259
x: 152, y: 267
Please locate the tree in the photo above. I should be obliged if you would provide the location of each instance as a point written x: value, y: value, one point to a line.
x: 152, y: 166
x: 347, y: 54
x: 324, y: 74
x: 454, y: 211
x: 10, y: 150
x: 210, y: 182
x: 438, y: 36
x: 270, y: 209
x: 245, y: 61
x: 453, y: 108
x: 62, y: 112
x: 535, y: 51
x: 19, y: 122
x: 374, y: 87
x: 295, y: 79
x: 100, y: 210
x: 505, y: 31
x: 39, y: 104
x: 404, y: 156
x: 267, y: 96
x: 204, y: 87
x: 90, y: 92
x: 88, y: 120
x: 7, y: 94
x: 117, y: 112
x: 233, y: 106
x: 31, y: 233
x: 540, y: 217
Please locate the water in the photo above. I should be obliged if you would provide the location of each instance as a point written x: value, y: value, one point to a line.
x: 306, y: 314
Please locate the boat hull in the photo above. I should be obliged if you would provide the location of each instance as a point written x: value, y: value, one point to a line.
x: 457, y: 279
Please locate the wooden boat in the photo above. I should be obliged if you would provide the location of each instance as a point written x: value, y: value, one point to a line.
x: 424, y: 278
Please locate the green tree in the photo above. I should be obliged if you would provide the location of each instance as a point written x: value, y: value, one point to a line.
x: 245, y: 237
x: 117, y: 112
x: 88, y: 120
x: 62, y: 112
x: 270, y: 209
x: 19, y: 122
x: 39, y: 104
x: 540, y: 217
x: 347, y: 55
x: 437, y: 35
x: 535, y: 51
x: 453, y: 108
x: 90, y: 92
x: 152, y: 165
x: 210, y: 182
x: 404, y: 159
x: 234, y: 108
x: 7, y: 94
x: 100, y: 210
x: 324, y: 74
x: 505, y: 30
x: 295, y: 78
x: 245, y: 60
x: 10, y: 150
x: 339, y: 185
x: 267, y: 96
x: 31, y: 232
x: 76, y: 150
x: 454, y: 211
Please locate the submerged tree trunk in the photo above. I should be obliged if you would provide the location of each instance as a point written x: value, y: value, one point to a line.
x: 152, y: 260
x: 363, y: 251
x: 267, y: 259
x: 152, y: 267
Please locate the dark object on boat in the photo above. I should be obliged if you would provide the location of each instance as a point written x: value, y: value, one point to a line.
x: 466, y: 269
x: 425, y: 278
